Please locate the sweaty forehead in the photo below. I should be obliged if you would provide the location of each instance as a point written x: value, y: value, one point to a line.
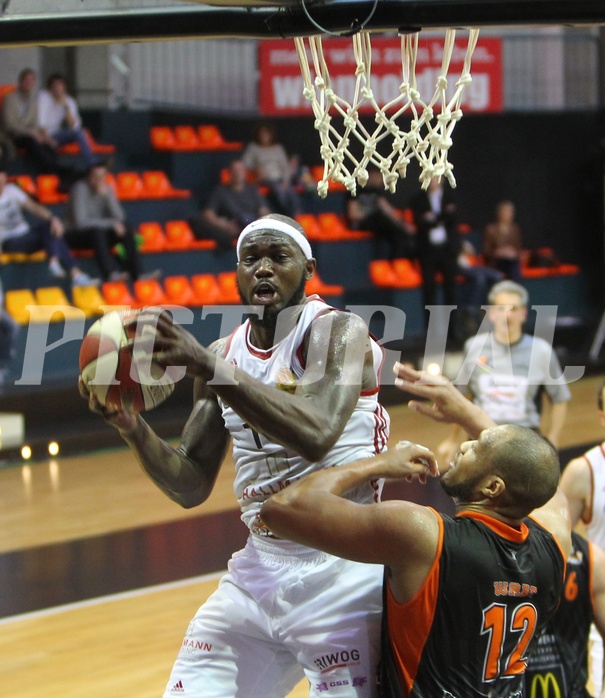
x: 269, y: 238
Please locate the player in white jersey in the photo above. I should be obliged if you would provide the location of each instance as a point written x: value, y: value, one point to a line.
x: 583, y: 481
x: 297, y: 390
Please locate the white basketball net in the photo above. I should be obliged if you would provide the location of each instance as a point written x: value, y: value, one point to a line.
x: 428, y: 136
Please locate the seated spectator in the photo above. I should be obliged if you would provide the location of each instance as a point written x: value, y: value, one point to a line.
x: 95, y: 220
x: 502, y: 241
x: 21, y: 123
x: 479, y: 279
x: 371, y: 210
x: 18, y: 236
x: 230, y: 208
x: 272, y: 169
x: 9, y: 330
x: 59, y: 117
x: 8, y: 152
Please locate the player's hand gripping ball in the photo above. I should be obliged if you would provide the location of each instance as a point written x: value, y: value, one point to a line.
x: 118, y: 375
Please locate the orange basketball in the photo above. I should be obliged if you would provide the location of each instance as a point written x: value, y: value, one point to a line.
x: 111, y: 371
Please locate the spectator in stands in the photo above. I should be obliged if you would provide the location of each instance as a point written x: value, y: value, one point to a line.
x: 502, y: 242
x: 479, y: 279
x: 59, y: 117
x: 96, y: 220
x: 8, y: 152
x: 18, y: 236
x: 21, y: 122
x: 9, y: 330
x: 269, y: 162
x: 371, y: 210
x: 230, y: 208
x: 434, y: 211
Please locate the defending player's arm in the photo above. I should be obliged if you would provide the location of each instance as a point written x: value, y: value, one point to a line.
x: 442, y: 401
x: 309, y: 421
x: 401, y: 535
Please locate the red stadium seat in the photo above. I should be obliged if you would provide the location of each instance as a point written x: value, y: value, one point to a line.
x: 186, y: 138
x: 129, y: 186
x: 149, y: 292
x: 227, y: 281
x: 162, y: 138
x: 156, y: 185
x: 117, y: 293
x: 47, y: 186
x: 210, y: 138
x: 179, y: 291
x: 206, y: 289
x: 153, y: 236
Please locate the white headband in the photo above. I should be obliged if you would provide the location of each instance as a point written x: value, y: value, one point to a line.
x: 280, y: 226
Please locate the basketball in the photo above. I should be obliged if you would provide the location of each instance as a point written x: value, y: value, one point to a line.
x: 116, y: 375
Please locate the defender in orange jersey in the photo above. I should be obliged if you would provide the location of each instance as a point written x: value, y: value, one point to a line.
x: 465, y: 597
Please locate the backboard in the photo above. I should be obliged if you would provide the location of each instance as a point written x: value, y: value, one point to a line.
x: 42, y: 22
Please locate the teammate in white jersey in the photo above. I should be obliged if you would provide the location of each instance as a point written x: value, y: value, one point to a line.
x: 583, y: 481
x: 297, y: 390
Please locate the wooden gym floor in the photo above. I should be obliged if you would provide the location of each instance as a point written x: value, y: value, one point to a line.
x: 100, y: 573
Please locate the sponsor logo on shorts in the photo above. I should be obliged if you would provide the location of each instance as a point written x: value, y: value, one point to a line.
x: 178, y: 687
x: 356, y: 682
x: 193, y: 647
x: 334, y: 660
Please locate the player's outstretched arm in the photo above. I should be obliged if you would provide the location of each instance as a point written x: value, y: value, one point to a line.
x: 441, y: 400
x: 308, y: 420
x: 401, y: 535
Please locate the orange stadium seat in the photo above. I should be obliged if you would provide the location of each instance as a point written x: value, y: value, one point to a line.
x: 179, y: 235
x: 206, y: 289
x: 117, y: 293
x: 179, y: 291
x: 186, y: 138
x: 97, y: 148
x: 333, y: 226
x: 318, y: 172
x: 26, y: 183
x: 162, y: 138
x: 407, y: 273
x: 227, y: 282
x: 210, y: 138
x: 156, y: 185
x: 382, y: 274
x: 129, y: 185
x: 153, y: 236
x: 310, y: 225
x: 47, y: 186
x: 316, y: 286
x: 149, y: 292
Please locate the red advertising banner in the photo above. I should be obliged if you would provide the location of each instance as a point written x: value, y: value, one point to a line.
x: 281, y: 85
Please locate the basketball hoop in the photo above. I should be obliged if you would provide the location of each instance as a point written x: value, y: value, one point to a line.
x: 427, y: 137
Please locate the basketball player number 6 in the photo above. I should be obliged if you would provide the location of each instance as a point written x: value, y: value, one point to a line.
x: 523, y: 621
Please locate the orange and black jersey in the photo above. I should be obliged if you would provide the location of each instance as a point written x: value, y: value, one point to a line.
x: 468, y: 631
x: 558, y: 665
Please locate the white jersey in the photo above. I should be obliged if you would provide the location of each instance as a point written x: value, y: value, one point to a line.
x: 264, y: 467
x: 595, y: 521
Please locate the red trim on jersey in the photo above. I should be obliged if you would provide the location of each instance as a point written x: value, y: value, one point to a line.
x: 373, y: 391
x: 258, y: 353
x: 380, y: 429
x: 410, y: 622
x: 499, y: 527
x: 302, y: 360
x: 591, y: 499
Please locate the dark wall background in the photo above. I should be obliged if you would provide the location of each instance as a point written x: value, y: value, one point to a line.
x: 549, y: 164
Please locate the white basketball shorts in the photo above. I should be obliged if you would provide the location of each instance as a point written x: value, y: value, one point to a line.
x: 281, y: 612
